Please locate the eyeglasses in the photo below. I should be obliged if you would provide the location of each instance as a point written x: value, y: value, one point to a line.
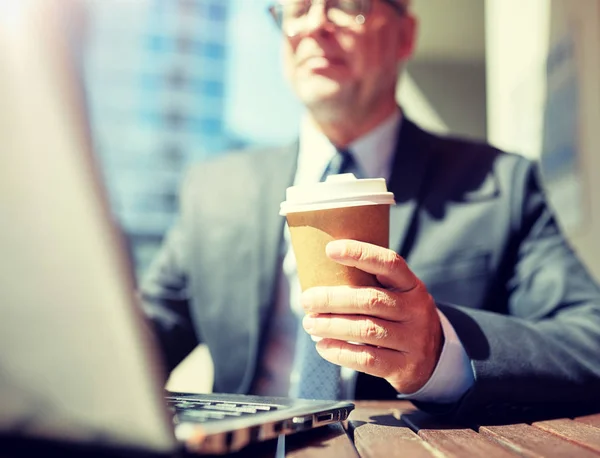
x: 291, y: 16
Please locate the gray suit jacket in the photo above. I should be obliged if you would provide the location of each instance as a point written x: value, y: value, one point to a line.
x: 471, y: 221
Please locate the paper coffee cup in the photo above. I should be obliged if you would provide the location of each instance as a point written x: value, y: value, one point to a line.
x: 342, y: 207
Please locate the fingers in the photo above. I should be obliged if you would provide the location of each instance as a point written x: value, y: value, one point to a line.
x: 361, y: 329
x: 407, y: 375
x: 398, y: 323
x: 380, y: 362
x: 389, y: 267
x: 350, y: 300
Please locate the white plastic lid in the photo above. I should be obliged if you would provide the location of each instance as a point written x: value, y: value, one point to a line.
x: 338, y: 191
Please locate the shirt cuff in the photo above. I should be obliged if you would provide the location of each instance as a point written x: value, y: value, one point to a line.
x: 453, y: 375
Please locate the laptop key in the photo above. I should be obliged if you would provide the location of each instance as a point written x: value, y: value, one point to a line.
x: 233, y: 408
x: 185, y: 417
x: 199, y: 416
x: 187, y: 404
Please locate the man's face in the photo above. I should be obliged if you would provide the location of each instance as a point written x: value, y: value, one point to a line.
x: 333, y: 69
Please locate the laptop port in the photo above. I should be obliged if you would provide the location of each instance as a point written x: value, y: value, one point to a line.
x: 229, y: 439
x: 255, y: 434
x: 278, y: 427
x: 302, y: 423
x: 324, y: 417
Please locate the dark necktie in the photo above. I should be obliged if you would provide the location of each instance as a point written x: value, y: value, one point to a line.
x: 318, y: 378
x: 341, y: 162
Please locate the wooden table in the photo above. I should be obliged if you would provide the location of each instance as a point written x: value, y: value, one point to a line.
x: 395, y: 429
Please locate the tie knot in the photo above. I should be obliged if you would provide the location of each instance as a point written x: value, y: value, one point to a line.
x: 341, y: 162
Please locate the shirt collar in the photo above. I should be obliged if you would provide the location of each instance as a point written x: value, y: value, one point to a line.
x: 373, y: 152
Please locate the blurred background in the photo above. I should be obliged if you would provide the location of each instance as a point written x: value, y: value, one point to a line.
x: 171, y: 82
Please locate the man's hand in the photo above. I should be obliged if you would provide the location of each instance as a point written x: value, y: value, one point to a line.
x: 399, y: 322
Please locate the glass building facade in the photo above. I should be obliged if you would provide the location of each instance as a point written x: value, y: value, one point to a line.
x: 156, y: 77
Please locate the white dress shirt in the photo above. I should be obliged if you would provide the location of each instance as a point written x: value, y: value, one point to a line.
x: 374, y: 154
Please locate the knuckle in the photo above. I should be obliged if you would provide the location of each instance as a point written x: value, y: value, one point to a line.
x: 372, y: 331
x: 362, y: 253
x: 381, y: 258
x: 367, y: 360
x: 352, y: 250
x: 370, y: 299
x: 401, y: 300
x: 345, y: 251
x: 373, y: 300
x: 396, y: 262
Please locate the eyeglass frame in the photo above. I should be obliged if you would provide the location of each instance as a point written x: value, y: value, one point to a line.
x: 398, y: 7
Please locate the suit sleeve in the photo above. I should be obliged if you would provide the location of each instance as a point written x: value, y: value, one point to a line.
x: 543, y: 357
x: 165, y: 295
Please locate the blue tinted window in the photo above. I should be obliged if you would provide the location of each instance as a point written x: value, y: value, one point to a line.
x: 149, y: 82
x: 158, y: 43
x: 217, y: 11
x: 213, y: 50
x: 149, y: 117
x: 206, y: 125
x: 184, y: 44
x: 183, y: 85
x: 209, y: 88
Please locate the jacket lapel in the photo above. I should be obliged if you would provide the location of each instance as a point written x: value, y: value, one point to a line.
x: 254, y: 242
x: 277, y: 180
x: 406, y: 181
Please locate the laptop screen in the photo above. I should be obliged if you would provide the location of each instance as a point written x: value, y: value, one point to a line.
x: 75, y: 360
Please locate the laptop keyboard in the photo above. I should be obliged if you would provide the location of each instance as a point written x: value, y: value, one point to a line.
x: 190, y: 410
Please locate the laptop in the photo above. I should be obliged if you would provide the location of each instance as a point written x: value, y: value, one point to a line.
x: 78, y: 364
